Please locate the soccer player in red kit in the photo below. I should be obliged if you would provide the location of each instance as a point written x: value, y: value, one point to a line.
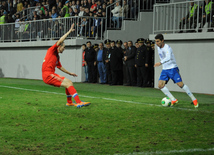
x: 50, y: 77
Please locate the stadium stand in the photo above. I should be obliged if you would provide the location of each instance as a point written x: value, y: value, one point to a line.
x: 168, y: 17
x: 33, y: 20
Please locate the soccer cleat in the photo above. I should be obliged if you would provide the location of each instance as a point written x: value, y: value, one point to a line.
x: 195, y: 103
x: 174, y: 102
x: 70, y: 104
x: 78, y: 105
x: 84, y: 103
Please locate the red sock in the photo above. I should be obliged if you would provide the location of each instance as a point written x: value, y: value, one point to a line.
x: 73, y: 92
x: 69, y: 97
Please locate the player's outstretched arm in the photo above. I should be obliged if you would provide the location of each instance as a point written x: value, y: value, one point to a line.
x: 65, y: 71
x: 65, y: 35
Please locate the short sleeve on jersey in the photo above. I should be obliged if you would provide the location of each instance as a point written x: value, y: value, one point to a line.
x: 54, y: 47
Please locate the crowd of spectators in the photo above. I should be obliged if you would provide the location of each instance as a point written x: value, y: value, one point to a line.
x: 13, y: 8
x: 118, y: 63
x: 90, y: 25
x: 90, y: 17
x: 93, y: 16
x: 198, y: 12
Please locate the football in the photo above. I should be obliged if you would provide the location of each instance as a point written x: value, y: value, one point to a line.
x: 166, y: 102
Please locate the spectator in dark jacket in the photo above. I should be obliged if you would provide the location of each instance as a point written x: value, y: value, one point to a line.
x: 116, y: 63
x: 11, y: 9
x: 90, y: 58
x: 141, y: 63
x: 130, y: 64
x: 107, y: 54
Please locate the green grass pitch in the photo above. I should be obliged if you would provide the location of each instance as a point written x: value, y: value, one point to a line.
x: 120, y: 120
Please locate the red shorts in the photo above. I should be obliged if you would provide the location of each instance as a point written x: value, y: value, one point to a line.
x: 52, y: 79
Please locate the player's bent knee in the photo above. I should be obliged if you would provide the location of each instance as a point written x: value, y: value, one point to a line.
x: 180, y: 84
x: 70, y: 84
x: 67, y: 83
x: 160, y: 85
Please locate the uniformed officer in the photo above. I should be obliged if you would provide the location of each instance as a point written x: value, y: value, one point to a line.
x: 125, y: 49
x: 3, y: 19
x: 90, y: 58
x: 65, y: 10
x: 153, y: 45
x: 207, y: 16
x: 129, y: 59
x: 107, y: 54
x: 117, y: 63
x: 136, y: 45
x: 190, y: 19
x: 141, y: 63
x: 150, y: 69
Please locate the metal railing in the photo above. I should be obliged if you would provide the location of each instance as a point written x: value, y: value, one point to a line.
x: 129, y: 11
x: 176, y: 17
x: 53, y: 29
x: 50, y: 29
x: 147, y: 5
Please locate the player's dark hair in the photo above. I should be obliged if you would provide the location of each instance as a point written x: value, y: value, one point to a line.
x: 159, y: 36
x: 84, y: 45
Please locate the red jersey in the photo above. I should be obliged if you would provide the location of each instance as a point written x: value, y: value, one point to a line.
x: 93, y: 7
x: 51, y: 60
x: 83, y: 58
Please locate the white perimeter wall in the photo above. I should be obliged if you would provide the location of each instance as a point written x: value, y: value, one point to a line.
x: 25, y: 61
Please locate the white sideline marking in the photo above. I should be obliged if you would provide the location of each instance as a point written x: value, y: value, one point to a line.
x: 169, y: 152
x: 110, y: 99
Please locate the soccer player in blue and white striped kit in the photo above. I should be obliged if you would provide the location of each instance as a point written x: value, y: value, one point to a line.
x: 170, y: 71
